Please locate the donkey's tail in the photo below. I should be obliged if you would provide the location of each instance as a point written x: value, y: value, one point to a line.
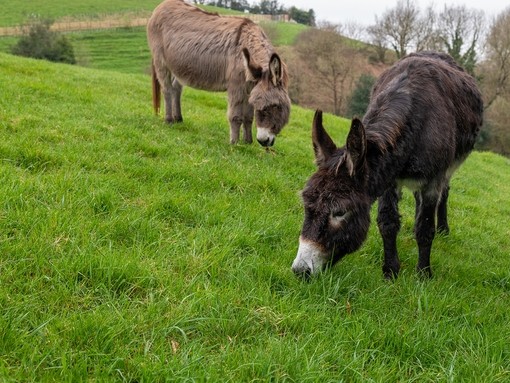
x: 156, y: 91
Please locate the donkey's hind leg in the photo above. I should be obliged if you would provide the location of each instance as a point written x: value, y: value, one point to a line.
x: 425, y: 228
x: 388, y: 222
x: 171, y: 94
x: 442, y: 213
x: 176, y: 99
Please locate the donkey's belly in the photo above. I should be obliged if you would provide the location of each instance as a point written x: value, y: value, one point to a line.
x: 199, y: 73
x: 410, y: 183
x: 197, y: 82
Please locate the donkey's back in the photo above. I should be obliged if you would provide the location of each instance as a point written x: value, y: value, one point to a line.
x: 195, y: 44
x: 429, y: 111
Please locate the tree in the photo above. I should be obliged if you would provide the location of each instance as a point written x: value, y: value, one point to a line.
x: 459, y: 30
x: 496, y: 67
x: 39, y: 42
x: 399, y: 26
x: 241, y: 5
x: 360, y: 97
x: 378, y: 39
x: 302, y: 17
x: 270, y: 7
x: 495, y: 81
x: 331, y: 61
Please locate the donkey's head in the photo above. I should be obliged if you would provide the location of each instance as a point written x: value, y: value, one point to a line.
x: 268, y: 97
x: 336, y: 202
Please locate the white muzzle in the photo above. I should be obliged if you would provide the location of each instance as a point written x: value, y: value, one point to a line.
x: 310, y: 259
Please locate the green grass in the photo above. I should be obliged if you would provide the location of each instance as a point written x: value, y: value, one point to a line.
x: 123, y: 50
x: 16, y: 12
x: 134, y: 251
x: 285, y: 33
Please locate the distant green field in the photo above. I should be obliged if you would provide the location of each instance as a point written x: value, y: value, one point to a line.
x: 16, y: 12
x: 123, y: 50
x: 134, y: 251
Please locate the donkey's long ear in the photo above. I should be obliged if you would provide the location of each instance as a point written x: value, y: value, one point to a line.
x: 323, y: 145
x: 254, y: 71
x: 356, y: 147
x: 275, y: 69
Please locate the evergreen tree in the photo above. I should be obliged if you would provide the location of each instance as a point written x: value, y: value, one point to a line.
x: 360, y: 97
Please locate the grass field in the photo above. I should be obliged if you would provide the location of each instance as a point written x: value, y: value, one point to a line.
x: 17, y: 12
x: 134, y: 251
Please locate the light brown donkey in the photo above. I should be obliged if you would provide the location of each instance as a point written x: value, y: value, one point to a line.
x: 210, y: 52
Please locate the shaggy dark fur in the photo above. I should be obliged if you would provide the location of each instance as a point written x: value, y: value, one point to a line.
x: 422, y: 122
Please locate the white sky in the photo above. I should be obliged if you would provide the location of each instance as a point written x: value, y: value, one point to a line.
x: 363, y: 12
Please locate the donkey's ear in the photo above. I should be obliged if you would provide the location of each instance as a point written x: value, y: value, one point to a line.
x: 275, y: 69
x: 323, y: 145
x: 254, y: 71
x: 356, y: 147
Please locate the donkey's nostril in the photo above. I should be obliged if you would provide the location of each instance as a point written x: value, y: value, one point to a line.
x: 304, y: 274
x: 267, y: 142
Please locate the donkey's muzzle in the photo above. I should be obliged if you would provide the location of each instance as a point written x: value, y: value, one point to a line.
x: 265, y: 137
x: 310, y: 259
x: 267, y: 142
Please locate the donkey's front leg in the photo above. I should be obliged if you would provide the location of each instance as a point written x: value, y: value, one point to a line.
x: 235, y: 115
x: 425, y: 230
x: 176, y: 114
x: 235, y: 126
x: 388, y: 221
x: 247, y: 122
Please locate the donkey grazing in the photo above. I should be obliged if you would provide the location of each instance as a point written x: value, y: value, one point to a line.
x: 423, y: 118
x: 206, y: 51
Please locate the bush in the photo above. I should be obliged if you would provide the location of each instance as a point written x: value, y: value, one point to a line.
x: 39, y: 42
x: 360, y: 97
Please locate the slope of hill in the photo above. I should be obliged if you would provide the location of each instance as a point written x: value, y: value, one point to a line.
x: 135, y: 251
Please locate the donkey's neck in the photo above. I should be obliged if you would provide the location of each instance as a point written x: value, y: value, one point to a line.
x: 386, y: 163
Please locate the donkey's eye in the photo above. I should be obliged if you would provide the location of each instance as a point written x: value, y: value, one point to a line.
x: 339, y: 216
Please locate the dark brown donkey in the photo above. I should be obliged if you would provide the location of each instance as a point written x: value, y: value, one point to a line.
x: 423, y: 118
x: 206, y: 51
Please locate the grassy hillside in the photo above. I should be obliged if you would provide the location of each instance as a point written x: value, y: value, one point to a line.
x: 134, y: 251
x: 16, y: 12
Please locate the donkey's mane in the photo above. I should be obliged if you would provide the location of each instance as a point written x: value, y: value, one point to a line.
x: 244, y: 23
x: 388, y: 114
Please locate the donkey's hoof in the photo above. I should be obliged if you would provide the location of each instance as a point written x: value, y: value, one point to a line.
x: 390, y: 271
x: 425, y: 273
x: 443, y: 230
x: 390, y: 275
x: 173, y: 120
